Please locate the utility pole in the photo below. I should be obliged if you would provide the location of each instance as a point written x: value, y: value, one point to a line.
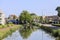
x: 42, y: 22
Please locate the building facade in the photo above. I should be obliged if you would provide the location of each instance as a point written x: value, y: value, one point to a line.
x: 51, y: 19
x: 2, y: 18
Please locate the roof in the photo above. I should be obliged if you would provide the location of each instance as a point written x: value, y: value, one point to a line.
x: 52, y: 17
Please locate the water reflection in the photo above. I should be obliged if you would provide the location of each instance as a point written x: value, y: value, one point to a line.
x: 29, y: 34
x: 25, y: 33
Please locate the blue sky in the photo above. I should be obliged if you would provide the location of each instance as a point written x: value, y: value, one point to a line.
x: 40, y: 7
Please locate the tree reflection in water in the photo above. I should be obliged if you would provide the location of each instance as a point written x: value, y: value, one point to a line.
x: 25, y: 33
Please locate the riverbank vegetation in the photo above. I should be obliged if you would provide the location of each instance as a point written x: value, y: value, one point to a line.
x: 7, y: 29
x: 56, y: 25
x: 51, y: 30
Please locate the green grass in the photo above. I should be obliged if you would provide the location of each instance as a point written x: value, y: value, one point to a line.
x: 52, y: 32
x: 3, y: 26
x: 56, y: 25
x: 5, y: 31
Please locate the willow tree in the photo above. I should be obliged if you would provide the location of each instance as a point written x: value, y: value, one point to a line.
x: 25, y: 16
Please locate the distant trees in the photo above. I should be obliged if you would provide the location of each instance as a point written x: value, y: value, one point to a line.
x: 14, y: 17
x: 41, y: 19
x: 35, y: 17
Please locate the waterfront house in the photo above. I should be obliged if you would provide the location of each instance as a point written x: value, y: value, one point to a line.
x: 13, y: 18
x: 2, y: 18
x: 51, y: 19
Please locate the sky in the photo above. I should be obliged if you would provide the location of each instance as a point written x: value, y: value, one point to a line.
x: 39, y: 7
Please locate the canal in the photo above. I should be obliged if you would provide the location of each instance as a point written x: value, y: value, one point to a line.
x: 29, y: 34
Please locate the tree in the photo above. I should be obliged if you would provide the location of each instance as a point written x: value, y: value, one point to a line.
x: 35, y: 18
x: 41, y: 19
x: 58, y: 9
x: 25, y: 16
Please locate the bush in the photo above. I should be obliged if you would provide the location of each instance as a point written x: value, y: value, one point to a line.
x: 33, y: 23
x: 3, y: 26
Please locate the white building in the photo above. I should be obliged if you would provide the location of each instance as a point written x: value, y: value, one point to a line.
x: 2, y: 18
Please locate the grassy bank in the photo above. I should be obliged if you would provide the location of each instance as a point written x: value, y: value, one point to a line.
x: 56, y: 25
x: 5, y: 31
x: 36, y: 24
x: 53, y: 32
x: 49, y: 30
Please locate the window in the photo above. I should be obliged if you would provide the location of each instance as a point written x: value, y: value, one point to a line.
x: 0, y: 14
x: 0, y: 18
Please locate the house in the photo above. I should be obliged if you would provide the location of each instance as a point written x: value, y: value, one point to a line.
x: 12, y: 18
x: 51, y: 19
x: 2, y: 18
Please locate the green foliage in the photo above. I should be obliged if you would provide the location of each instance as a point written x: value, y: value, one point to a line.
x: 58, y: 9
x: 25, y: 16
x: 3, y: 26
x: 34, y: 16
x: 14, y: 17
x: 10, y: 23
x: 8, y: 31
x: 59, y: 14
x: 58, y: 38
x: 56, y: 25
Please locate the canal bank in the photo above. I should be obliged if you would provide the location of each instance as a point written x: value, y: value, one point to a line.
x: 4, y: 32
x: 52, y: 30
